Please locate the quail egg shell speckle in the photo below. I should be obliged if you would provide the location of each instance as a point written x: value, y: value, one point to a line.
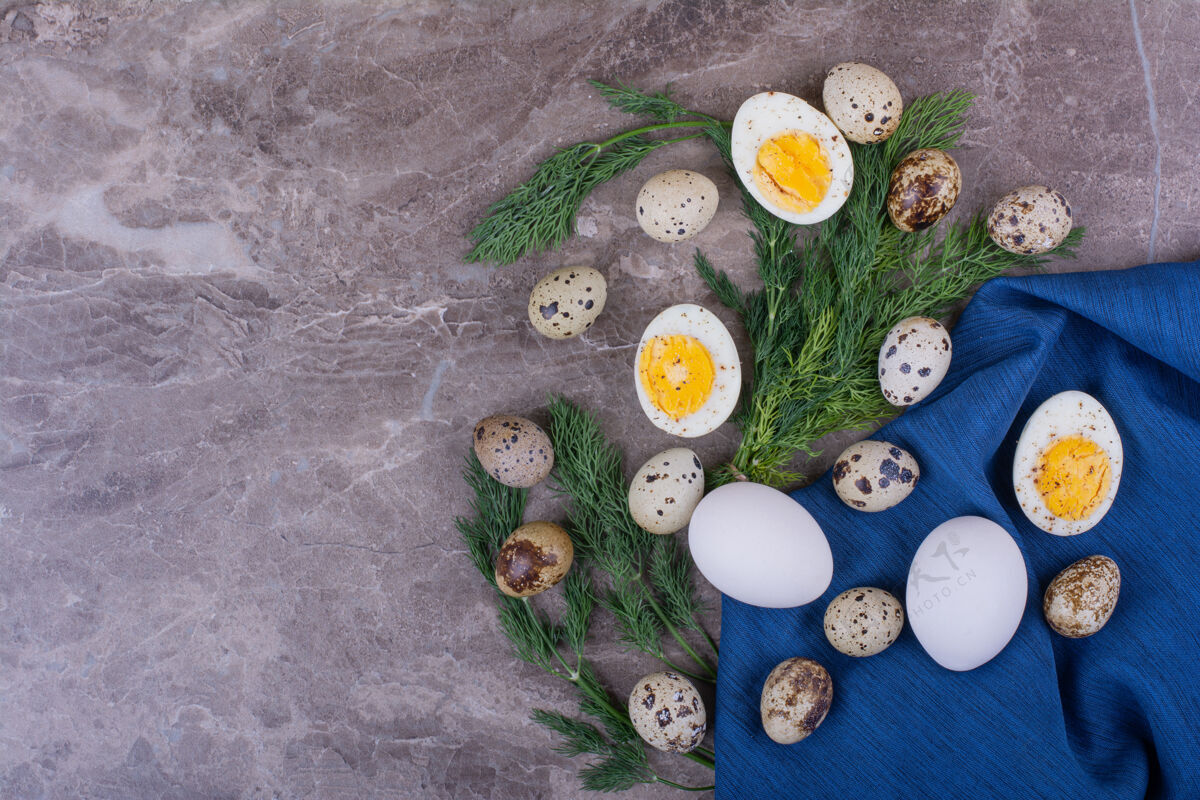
x: 795, y: 700
x: 513, y: 450
x: 533, y: 558
x: 874, y: 476
x: 914, y: 358
x: 1080, y: 600
x: 667, y: 712
x: 922, y: 189
x: 687, y: 371
x: 676, y: 205
x: 1030, y: 220
x: 566, y: 302
x: 1067, y: 465
x: 774, y: 117
x: 664, y: 492
x: 863, y: 621
x: 862, y: 101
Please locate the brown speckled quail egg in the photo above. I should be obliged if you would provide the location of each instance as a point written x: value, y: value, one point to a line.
x: 566, y: 302
x: 874, y: 476
x: 1080, y: 600
x: 676, y: 205
x: 667, y: 712
x: 914, y: 358
x: 795, y: 699
x: 923, y: 188
x: 1030, y: 220
x: 513, y: 450
x: 862, y: 101
x: 863, y: 621
x: 533, y: 558
x: 665, y: 491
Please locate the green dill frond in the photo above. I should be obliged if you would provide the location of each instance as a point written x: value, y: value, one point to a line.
x: 580, y: 601
x: 497, y: 511
x: 637, y: 626
x: 936, y: 120
x: 578, y: 737
x: 671, y: 572
x: 588, y: 473
x: 539, y: 214
x: 625, y: 98
x: 597, y: 703
x: 724, y: 288
x: 534, y: 639
x: 622, y: 769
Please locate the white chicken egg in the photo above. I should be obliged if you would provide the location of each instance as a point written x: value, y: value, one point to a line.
x: 687, y: 371
x: 791, y: 158
x: 1068, y: 464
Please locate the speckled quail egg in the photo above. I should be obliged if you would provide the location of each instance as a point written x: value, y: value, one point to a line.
x: 676, y: 205
x: 665, y: 491
x: 687, y: 371
x: 566, y: 302
x: 791, y: 158
x: 914, y: 358
x: 863, y: 621
x: 533, y: 558
x: 667, y: 712
x: 1029, y: 220
x: 863, y: 102
x: 1067, y: 465
x: 1080, y: 600
x: 513, y: 450
x: 874, y: 476
x: 795, y: 699
x: 923, y: 188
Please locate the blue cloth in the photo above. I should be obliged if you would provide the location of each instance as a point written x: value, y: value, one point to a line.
x: 1116, y: 715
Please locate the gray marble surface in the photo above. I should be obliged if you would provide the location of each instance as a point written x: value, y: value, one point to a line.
x: 241, y: 356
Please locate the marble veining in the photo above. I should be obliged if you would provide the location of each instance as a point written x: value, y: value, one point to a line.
x: 240, y: 357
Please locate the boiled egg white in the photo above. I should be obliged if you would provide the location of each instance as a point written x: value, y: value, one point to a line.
x: 687, y: 371
x: 1068, y: 464
x: 791, y: 158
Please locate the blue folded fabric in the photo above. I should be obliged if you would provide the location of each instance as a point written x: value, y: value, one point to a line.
x: 1116, y: 715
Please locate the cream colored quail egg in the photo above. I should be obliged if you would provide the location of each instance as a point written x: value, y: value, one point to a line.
x: 566, y: 302
x: 676, y: 205
x: 1030, y: 220
x: 667, y: 712
x: 913, y: 359
x: 513, y: 450
x: 862, y: 101
x: 863, y: 621
x: 874, y: 476
x: 665, y: 491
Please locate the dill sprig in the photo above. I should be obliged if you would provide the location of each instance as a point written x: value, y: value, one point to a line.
x: 618, y: 757
x: 540, y: 214
x: 828, y: 300
x: 651, y: 592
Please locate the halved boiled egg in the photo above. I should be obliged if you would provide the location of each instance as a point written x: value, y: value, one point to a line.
x: 1068, y: 464
x: 791, y: 158
x: 687, y: 371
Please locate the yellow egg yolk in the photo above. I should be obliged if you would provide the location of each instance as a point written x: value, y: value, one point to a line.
x: 677, y: 373
x: 1073, y: 477
x: 793, y: 171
